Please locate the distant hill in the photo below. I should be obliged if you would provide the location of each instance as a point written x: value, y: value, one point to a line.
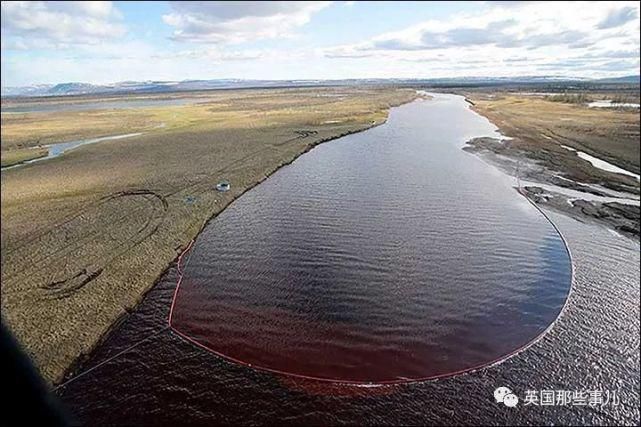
x: 77, y: 88
x: 71, y: 88
x: 624, y: 79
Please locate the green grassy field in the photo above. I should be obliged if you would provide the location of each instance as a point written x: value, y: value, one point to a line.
x: 84, y: 235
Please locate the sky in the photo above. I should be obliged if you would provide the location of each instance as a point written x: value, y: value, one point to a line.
x: 105, y: 42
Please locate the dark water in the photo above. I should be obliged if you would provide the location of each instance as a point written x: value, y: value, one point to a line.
x: 384, y: 256
x: 594, y: 345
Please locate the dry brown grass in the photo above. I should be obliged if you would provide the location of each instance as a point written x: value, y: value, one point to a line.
x: 52, y: 127
x: 13, y: 157
x: 540, y: 127
x: 84, y: 235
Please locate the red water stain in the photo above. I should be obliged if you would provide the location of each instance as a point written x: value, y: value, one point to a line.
x: 316, y: 356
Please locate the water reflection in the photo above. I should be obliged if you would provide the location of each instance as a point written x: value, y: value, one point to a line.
x: 383, y: 256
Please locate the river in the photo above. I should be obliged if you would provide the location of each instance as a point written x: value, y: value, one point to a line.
x: 389, y: 256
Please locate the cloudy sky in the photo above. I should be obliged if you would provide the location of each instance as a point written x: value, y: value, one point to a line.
x: 103, y: 42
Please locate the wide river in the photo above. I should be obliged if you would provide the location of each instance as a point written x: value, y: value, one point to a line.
x: 389, y: 256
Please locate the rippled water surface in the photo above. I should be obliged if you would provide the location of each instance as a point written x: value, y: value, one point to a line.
x: 386, y: 254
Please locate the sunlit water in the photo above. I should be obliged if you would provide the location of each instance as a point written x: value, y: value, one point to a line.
x: 385, y: 256
x: 593, y: 345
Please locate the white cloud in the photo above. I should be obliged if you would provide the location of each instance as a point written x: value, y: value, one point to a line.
x: 492, y: 39
x: 214, y: 54
x: 53, y: 24
x: 549, y: 34
x: 236, y: 22
x: 619, y: 16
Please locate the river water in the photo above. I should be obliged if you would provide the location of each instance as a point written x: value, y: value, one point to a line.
x: 385, y: 256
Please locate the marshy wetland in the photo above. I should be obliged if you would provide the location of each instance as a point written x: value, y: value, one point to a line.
x: 86, y: 234
x: 368, y: 270
x: 300, y: 274
x: 580, y: 160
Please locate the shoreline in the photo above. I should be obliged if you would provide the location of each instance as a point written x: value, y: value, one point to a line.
x: 58, y: 149
x: 360, y: 383
x: 67, y: 374
x: 176, y: 264
x: 22, y: 156
x: 622, y: 219
x: 550, y: 135
x: 589, y: 204
x: 357, y: 383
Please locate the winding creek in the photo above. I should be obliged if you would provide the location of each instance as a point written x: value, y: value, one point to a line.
x: 58, y: 149
x: 388, y: 256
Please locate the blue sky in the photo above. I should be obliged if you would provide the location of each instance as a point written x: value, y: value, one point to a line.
x: 104, y: 42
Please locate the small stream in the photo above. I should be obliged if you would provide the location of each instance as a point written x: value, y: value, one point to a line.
x: 55, y: 150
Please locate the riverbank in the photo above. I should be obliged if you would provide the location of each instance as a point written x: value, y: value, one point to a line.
x: 86, y: 234
x: 365, y: 214
x: 567, y: 156
x: 617, y: 216
x: 20, y: 156
x: 543, y: 130
x: 616, y: 210
x: 602, y: 312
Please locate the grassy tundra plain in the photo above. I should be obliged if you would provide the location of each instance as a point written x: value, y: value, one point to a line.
x: 20, y: 155
x: 84, y: 235
x: 539, y: 127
